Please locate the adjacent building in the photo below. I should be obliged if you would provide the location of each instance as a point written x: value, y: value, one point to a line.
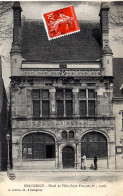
x: 3, y: 122
x: 118, y: 109
x: 61, y: 95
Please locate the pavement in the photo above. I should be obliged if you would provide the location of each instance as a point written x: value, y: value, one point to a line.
x: 64, y: 175
x: 62, y: 182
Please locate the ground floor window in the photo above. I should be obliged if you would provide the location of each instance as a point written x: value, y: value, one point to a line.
x: 38, y: 146
x: 94, y: 143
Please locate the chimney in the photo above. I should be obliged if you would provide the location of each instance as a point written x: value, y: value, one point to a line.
x: 106, y: 50
x: 15, y: 54
x: 16, y: 24
x: 104, y: 22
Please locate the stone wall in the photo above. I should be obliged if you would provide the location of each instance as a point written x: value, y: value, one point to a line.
x: 21, y: 94
x: 24, y: 123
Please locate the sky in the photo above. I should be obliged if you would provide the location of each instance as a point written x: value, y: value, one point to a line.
x: 34, y: 10
x: 84, y: 10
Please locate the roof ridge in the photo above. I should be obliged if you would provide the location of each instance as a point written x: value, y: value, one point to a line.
x: 82, y: 21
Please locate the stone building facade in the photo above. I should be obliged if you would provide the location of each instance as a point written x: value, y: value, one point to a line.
x: 61, y: 95
x: 118, y: 109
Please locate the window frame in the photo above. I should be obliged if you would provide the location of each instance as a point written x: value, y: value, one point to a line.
x: 36, y: 99
x: 39, y: 110
x: 44, y: 100
x: 64, y: 99
x: 32, y: 145
x: 71, y: 135
x: 87, y: 99
x: 87, y: 144
x: 41, y: 99
x: 64, y: 135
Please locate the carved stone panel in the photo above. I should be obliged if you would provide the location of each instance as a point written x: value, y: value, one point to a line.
x: 58, y: 73
x: 53, y: 123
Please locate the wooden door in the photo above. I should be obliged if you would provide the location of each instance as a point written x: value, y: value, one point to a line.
x: 68, y: 157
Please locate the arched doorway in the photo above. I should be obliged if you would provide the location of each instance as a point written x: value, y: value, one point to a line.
x: 94, y: 143
x: 68, y: 157
x: 38, y: 145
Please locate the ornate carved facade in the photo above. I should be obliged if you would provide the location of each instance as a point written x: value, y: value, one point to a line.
x: 59, y: 114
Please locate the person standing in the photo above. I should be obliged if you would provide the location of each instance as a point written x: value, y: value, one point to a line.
x: 84, y: 162
x: 95, y: 162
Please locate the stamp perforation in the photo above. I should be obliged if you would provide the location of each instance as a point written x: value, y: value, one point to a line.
x: 59, y: 22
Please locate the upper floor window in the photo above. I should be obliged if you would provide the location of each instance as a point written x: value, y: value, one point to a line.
x: 87, y: 102
x: 64, y: 100
x: 40, y: 102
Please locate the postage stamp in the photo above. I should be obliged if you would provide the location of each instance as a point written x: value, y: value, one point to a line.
x: 60, y: 22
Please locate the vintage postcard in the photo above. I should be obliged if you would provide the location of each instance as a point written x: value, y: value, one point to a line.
x: 61, y: 98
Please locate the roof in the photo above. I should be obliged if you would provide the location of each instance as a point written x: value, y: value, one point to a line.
x: 80, y: 46
x: 118, y: 76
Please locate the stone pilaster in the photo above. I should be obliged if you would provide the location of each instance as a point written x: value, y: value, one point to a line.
x: 111, y: 161
x: 79, y: 155
x: 52, y: 102
x: 57, y: 155
x: 76, y: 102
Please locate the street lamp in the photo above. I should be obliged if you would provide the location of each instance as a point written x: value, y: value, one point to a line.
x: 8, y: 163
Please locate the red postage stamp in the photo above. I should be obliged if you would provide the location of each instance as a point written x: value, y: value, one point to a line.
x: 60, y: 22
